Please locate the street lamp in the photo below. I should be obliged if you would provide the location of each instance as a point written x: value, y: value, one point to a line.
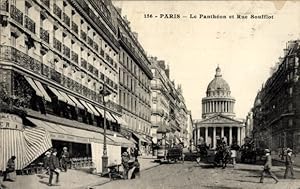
x: 104, y: 93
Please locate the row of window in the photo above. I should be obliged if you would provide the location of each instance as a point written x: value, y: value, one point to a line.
x: 137, y: 124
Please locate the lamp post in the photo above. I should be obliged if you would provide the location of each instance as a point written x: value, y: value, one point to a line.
x: 104, y: 94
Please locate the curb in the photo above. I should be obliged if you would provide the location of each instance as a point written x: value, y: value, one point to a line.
x: 102, y: 183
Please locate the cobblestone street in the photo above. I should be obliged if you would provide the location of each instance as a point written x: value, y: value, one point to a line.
x: 190, y: 175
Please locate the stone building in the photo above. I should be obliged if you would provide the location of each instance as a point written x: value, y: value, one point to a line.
x: 56, y: 56
x: 276, y: 117
x: 134, y: 89
x: 169, y: 112
x: 218, y: 117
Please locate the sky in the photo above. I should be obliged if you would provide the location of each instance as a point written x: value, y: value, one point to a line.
x: 244, y: 49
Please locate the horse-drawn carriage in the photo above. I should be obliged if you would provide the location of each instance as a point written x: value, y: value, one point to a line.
x: 170, y: 154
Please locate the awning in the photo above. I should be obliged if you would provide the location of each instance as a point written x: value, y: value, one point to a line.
x: 100, y: 111
x: 93, y: 109
x: 43, y: 91
x: 33, y: 85
x: 69, y: 100
x: 78, y: 104
x: 86, y: 106
x: 123, y: 142
x: 71, y: 134
x: 57, y: 93
x: 27, y: 145
x: 141, y: 138
x: 120, y: 120
x: 110, y: 117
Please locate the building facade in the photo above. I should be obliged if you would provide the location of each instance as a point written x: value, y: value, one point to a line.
x: 276, y: 117
x: 218, y: 117
x: 56, y: 58
x: 169, y: 115
x: 134, y: 89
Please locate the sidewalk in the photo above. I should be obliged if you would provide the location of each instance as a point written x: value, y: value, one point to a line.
x: 71, y: 179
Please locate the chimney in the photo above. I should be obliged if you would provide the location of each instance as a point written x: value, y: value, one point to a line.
x: 167, y: 71
x: 135, y: 34
x: 161, y: 64
x: 119, y: 10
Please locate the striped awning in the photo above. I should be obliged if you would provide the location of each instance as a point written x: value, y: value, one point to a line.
x: 120, y: 120
x: 86, y: 106
x: 27, y: 145
x: 71, y: 134
x: 43, y: 91
x: 78, y: 104
x: 123, y: 142
x: 33, y: 85
x: 57, y: 93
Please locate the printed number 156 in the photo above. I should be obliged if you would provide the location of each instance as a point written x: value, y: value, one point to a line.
x: 148, y: 16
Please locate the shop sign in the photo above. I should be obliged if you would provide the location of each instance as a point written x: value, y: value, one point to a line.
x: 10, y: 121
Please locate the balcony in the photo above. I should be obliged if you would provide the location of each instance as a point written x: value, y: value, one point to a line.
x: 11, y: 54
x: 96, y: 73
x: 102, y: 52
x: 44, y: 35
x: 157, y: 111
x: 83, y: 35
x: 67, y: 51
x: 90, y: 67
x: 57, y: 11
x: 66, y: 19
x: 74, y: 57
x: 75, y: 27
x: 16, y: 14
x: 46, y: 3
x: 102, y: 76
x: 107, y: 57
x: 83, y: 63
x: 29, y: 24
x: 56, y: 76
x: 96, y: 47
x: 90, y: 41
x: 57, y: 44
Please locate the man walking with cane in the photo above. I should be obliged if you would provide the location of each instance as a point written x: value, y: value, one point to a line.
x: 289, y: 164
x: 267, y: 168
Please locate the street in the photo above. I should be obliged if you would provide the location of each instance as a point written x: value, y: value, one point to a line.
x: 190, y: 175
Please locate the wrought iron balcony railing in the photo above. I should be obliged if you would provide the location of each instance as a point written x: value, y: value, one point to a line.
x: 66, y: 19
x: 83, y: 63
x: 57, y: 44
x: 19, y: 58
x: 16, y: 14
x: 102, y: 52
x: 96, y: 46
x: 57, y: 11
x: 74, y: 57
x: 90, y: 67
x: 29, y: 24
x: 90, y: 41
x: 75, y: 27
x: 67, y: 51
x: 44, y: 35
x: 83, y: 35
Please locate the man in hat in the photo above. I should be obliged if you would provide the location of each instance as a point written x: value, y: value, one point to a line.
x: 125, y: 160
x: 267, y: 167
x: 46, y: 161
x: 53, y: 167
x: 289, y: 163
x: 65, y: 159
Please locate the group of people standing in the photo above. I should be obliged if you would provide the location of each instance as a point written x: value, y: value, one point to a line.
x: 54, y: 165
x: 130, y: 162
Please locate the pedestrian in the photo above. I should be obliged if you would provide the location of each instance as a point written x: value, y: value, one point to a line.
x: 10, y: 171
x: 267, y: 168
x: 289, y: 164
x: 53, y: 167
x: 234, y: 149
x: 136, y: 152
x: 136, y: 172
x: 125, y: 164
x: 46, y: 161
x: 65, y: 159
